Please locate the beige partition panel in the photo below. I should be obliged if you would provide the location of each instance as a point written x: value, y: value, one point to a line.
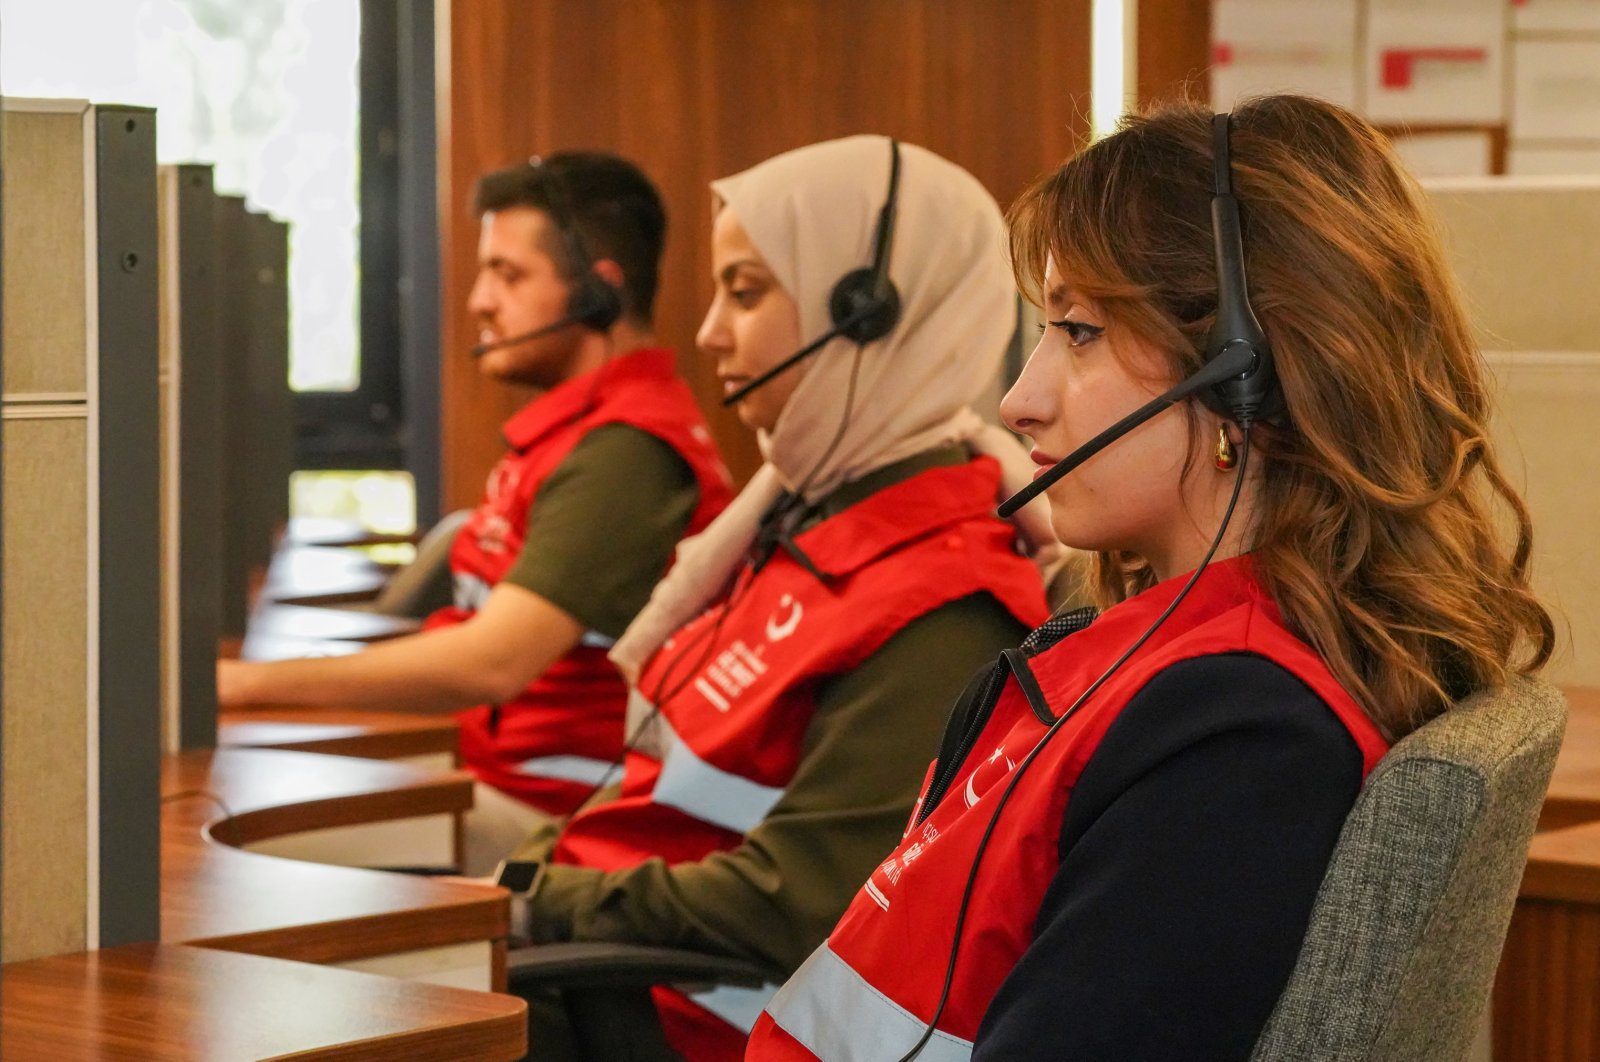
x: 79, y: 778
x: 1527, y: 253
x: 1544, y: 428
x: 46, y: 797
x: 48, y: 768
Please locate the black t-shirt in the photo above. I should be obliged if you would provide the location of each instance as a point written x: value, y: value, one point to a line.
x: 1191, y: 853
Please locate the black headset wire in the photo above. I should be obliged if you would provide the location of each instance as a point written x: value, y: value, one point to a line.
x: 1055, y: 727
x: 741, y: 583
x: 709, y: 636
x: 844, y: 423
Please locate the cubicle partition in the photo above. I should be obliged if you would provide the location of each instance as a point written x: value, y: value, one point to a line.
x: 258, y: 414
x: 80, y: 586
x: 272, y: 424
x: 191, y: 457
x: 1525, y: 253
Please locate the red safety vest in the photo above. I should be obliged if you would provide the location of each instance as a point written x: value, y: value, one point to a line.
x: 867, y: 993
x: 552, y: 744
x: 738, y: 685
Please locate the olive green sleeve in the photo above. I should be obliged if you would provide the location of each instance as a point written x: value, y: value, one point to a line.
x: 776, y: 896
x: 603, y: 526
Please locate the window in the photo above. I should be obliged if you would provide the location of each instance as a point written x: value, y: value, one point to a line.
x: 265, y: 90
x: 317, y: 111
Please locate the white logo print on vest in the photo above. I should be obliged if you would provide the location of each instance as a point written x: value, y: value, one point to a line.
x: 895, y: 865
x: 777, y: 632
x: 734, y: 670
x: 970, y: 794
x: 738, y: 667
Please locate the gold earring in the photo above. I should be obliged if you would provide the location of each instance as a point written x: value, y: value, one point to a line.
x: 1224, y: 456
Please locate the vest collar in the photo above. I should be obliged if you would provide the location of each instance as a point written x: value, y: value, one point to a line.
x: 571, y: 399
x: 900, y: 513
x: 1224, y: 585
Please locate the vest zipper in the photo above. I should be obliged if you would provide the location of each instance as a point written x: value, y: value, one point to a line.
x: 944, y: 772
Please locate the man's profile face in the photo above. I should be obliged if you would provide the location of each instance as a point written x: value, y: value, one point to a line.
x: 520, y: 288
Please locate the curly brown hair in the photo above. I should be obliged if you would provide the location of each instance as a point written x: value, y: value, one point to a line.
x: 1377, y: 530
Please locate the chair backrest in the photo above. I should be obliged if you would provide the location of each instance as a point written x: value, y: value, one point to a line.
x: 424, y: 584
x: 1406, y: 932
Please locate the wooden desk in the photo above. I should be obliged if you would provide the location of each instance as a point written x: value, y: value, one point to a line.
x: 421, y: 740
x: 216, y: 894
x: 338, y: 624
x: 1547, y: 991
x: 341, y: 732
x: 174, y: 1002
x: 224, y: 983
x: 325, y: 531
x: 260, y: 646
x: 322, y: 575
x: 1574, y: 795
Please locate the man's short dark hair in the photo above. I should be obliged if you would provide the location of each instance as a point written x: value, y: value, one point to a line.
x: 616, y: 209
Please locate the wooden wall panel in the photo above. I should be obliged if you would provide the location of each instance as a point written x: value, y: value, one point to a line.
x: 698, y: 89
x: 1174, y: 50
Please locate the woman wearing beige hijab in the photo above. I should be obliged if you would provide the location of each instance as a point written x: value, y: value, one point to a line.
x: 793, y: 673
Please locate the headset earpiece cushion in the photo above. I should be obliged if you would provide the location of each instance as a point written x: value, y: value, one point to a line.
x: 594, y: 303
x: 855, y: 294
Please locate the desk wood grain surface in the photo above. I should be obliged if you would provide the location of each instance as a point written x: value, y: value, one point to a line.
x: 171, y: 1002
x: 330, y: 624
x: 330, y: 531
x: 214, y: 893
x: 322, y: 575
x: 340, y: 731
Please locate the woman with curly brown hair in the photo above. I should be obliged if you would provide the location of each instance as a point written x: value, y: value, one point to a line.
x: 1118, y: 848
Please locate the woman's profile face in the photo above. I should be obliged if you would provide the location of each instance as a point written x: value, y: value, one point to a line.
x: 1081, y: 378
x: 752, y: 324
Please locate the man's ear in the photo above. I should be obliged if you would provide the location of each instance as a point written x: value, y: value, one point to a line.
x: 609, y: 271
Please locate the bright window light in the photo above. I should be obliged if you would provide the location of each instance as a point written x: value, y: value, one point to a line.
x: 266, y: 90
x: 1111, y: 63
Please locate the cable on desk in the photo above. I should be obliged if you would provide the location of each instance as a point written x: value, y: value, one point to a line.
x: 222, y: 805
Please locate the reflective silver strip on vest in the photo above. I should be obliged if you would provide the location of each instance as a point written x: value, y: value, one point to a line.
x: 739, y: 1007
x: 596, y: 640
x: 709, y: 793
x: 567, y: 768
x: 839, y: 1017
x: 468, y: 591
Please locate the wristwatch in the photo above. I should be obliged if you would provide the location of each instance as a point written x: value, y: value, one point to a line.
x: 521, y: 876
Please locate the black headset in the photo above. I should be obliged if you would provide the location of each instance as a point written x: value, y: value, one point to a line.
x: 1237, y: 380
x: 1253, y: 393
x: 592, y: 301
x: 864, y: 305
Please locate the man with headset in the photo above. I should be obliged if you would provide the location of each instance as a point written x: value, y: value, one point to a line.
x: 607, y: 467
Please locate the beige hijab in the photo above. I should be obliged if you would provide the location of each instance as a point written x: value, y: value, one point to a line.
x: 812, y: 214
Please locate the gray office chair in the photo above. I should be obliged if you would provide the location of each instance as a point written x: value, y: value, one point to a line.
x: 1400, y: 955
x: 423, y: 585
x: 1404, y: 938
